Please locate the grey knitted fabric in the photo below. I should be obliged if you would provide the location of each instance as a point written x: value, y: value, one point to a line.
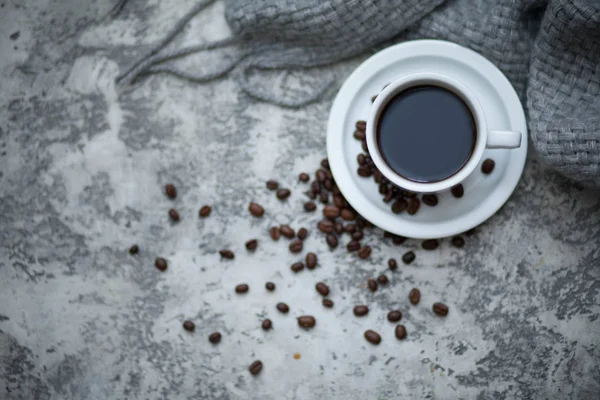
x: 549, y: 49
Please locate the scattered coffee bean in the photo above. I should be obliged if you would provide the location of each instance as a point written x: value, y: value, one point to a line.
x: 324, y: 198
x: 331, y: 212
x: 408, y: 257
x: 307, y: 321
x: 338, y: 228
x: 361, y: 125
x: 325, y: 164
x: 255, y: 367
x: 392, y: 264
x: 457, y: 191
x: 161, y: 264
x: 360, y: 135
x: 310, y: 206
x: 364, y: 172
x: 311, y: 260
x: 322, y: 288
x: 315, y: 186
x: 377, y: 176
x: 272, y: 184
x: 204, y: 211
x: 134, y: 249
x: 361, y: 159
x: 228, y: 254
x: 413, y: 206
x: 214, y: 337
x: 353, y: 246
x: 320, y: 175
x: 296, y: 246
x: 363, y: 144
x: 458, y: 241
x: 174, y: 215
x: 242, y: 288
x: 336, y: 190
x: 312, y: 195
x: 287, y: 231
x: 398, y: 240
x: 302, y: 233
x: 430, y: 244
x: 414, y: 296
x: 332, y: 241
x: 361, y: 223
x: 394, y: 316
x: 189, y: 326
x: 339, y: 201
x: 283, y: 308
x: 267, y: 324
x: 430, y: 199
x: 382, y: 280
x: 399, y: 206
x: 256, y: 209
x: 372, y: 337
x: 364, y: 252
x: 400, y: 332
x: 297, y: 267
x: 325, y: 226
x: 274, y: 233
x: 283, y: 194
x: 410, y: 195
x: 358, y: 235
x: 361, y: 311
x: 327, y: 303
x: 170, y: 190
x: 488, y: 166
x: 388, y: 197
x: 252, y: 244
x: 372, y: 285
x: 270, y: 286
x: 440, y: 309
x: 347, y: 214
x: 303, y: 177
x: 350, y: 228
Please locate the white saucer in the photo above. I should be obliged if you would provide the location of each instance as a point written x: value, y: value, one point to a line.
x: 484, y: 194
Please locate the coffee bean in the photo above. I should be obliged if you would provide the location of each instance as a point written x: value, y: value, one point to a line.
x: 332, y: 241
x: 302, y: 233
x: 311, y: 260
x: 256, y: 209
x: 398, y: 240
x: 471, y: 232
x: 339, y: 201
x: 324, y: 198
x: 331, y: 212
x: 322, y: 288
x: 296, y: 246
x: 400, y: 332
x: 457, y: 191
x: 252, y: 244
x: 364, y: 172
x: 394, y: 316
x: 361, y: 159
x: 320, y: 175
x: 410, y: 195
x: 440, y: 309
x: 287, y: 231
x: 350, y: 228
x: 382, y: 280
x: 336, y: 190
x: 267, y: 324
x: 414, y: 296
x: 297, y: 267
x: 408, y: 257
x: 174, y: 215
x: 361, y: 125
x: 311, y: 194
x: 392, y: 264
x: 372, y: 337
x: 430, y: 244
x: 388, y: 197
x: 327, y: 303
x: 274, y: 233
x: 399, y: 206
x: 338, y: 228
x: 134, y: 249
x: 430, y: 199
x: 458, y: 241
x: 488, y: 166
x: 358, y: 236
x: 242, y: 288
x: 303, y: 177
x: 307, y: 321
x: 377, y: 176
x: 388, y: 235
x: 361, y: 223
x: 363, y: 144
x: 360, y: 135
x: 283, y: 194
x: 204, y: 211
x: 214, y: 338
x: 283, y: 308
x: 383, y: 188
x: 347, y: 214
x: 272, y: 185
x: 170, y: 190
x: 361, y: 311
x: 413, y: 206
x: 189, y: 326
x: 310, y: 206
x: 228, y: 254
x: 270, y: 286
x: 372, y: 285
x: 353, y: 246
x: 364, y: 252
x: 161, y: 264
x: 315, y: 187
x: 325, y: 164
x: 325, y: 226
x: 255, y: 367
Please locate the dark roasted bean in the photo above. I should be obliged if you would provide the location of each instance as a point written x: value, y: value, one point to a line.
x: 350, y: 228
x: 488, y: 166
x: 394, y: 316
x: 332, y: 241
x: 325, y: 164
x: 310, y: 206
x: 204, y: 211
x: 398, y: 240
x: 339, y: 201
x: 348, y: 214
x: 358, y: 235
x: 430, y: 199
x: 359, y: 135
x: 252, y: 244
x: 303, y: 177
x: 440, y: 309
x: 283, y: 194
x: 307, y: 321
x: 189, y: 326
x: 377, y: 176
x: 364, y: 172
x: 214, y: 338
x: 267, y: 324
x: 324, y: 198
x: 392, y: 264
x: 361, y: 125
x: 361, y: 159
x: 353, y: 245
x: 361, y: 311
x: 338, y: 228
x: 228, y: 254
x: 327, y: 303
x: 372, y: 285
x: 400, y: 332
x: 458, y: 241
x: 283, y: 308
x: 364, y: 252
x: 372, y: 337
x: 322, y: 288
x: 174, y: 215
x: 274, y: 233
x: 382, y: 280
x: 315, y: 187
x: 363, y: 144
x: 325, y: 226
x: 302, y: 233
x: 242, y: 288
x: 410, y: 195
x: 287, y: 231
x: 328, y: 184
x: 161, y: 264
x: 331, y: 211
x: 399, y: 205
x: 170, y: 190
x: 335, y: 190
x: 320, y: 175
x: 134, y: 249
x: 256, y: 209
x: 311, y: 260
x: 255, y: 367
x: 296, y: 246
x: 272, y: 184
x: 458, y: 191
x: 383, y: 188
x: 361, y: 223
x: 414, y: 296
x: 408, y: 257
x: 311, y: 194
x: 413, y: 206
x: 430, y: 244
x: 297, y: 267
x: 270, y: 286
x: 388, y: 197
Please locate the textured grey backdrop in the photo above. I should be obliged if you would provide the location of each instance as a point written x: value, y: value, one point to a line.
x: 82, y: 165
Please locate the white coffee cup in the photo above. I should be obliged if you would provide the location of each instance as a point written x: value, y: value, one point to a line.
x: 485, y: 137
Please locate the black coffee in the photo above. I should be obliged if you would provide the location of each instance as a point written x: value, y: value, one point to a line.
x: 426, y: 133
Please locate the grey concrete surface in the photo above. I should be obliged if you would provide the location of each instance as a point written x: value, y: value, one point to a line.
x: 82, y: 166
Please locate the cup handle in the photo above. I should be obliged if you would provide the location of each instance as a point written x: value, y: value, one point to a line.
x: 503, y: 140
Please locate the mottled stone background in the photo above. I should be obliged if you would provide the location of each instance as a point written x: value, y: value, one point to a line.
x: 82, y: 166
